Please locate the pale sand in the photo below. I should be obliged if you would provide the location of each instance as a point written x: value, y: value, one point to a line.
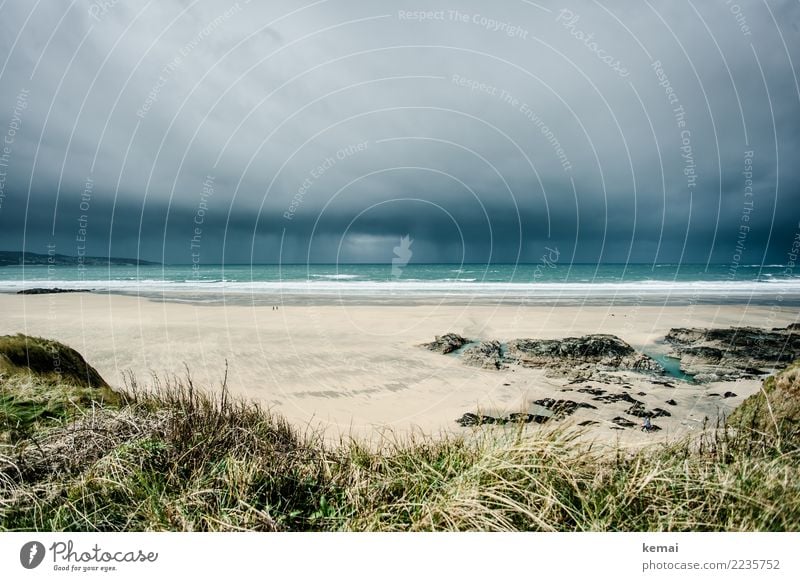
x: 357, y: 369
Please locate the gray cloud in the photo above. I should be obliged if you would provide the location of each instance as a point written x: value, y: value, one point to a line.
x: 489, y: 133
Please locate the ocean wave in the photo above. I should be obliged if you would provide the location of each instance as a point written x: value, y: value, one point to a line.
x: 201, y: 281
x: 336, y: 276
x: 462, y: 287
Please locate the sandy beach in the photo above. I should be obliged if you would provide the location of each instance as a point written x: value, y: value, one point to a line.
x: 359, y: 370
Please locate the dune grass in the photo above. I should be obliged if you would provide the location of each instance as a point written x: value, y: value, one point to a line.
x: 774, y: 412
x: 50, y: 381
x: 48, y: 360
x: 177, y: 458
x: 174, y: 457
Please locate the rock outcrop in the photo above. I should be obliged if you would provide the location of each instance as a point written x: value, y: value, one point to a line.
x: 486, y: 354
x: 557, y: 409
x: 601, y: 352
x: 581, y: 357
x: 49, y: 291
x: 734, y: 353
x: 446, y: 343
x: 469, y: 419
x: 562, y: 407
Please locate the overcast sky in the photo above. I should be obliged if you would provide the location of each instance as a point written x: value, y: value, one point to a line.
x: 282, y: 131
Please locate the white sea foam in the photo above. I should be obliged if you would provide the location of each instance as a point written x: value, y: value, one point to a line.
x: 398, y: 288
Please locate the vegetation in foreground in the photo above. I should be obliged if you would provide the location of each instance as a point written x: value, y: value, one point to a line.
x: 76, y: 456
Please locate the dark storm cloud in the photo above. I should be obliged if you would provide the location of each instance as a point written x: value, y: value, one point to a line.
x: 243, y: 132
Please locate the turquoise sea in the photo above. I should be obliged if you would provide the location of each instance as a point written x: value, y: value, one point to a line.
x: 545, y: 281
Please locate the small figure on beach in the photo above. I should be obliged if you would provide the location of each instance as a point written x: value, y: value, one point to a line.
x: 646, y: 425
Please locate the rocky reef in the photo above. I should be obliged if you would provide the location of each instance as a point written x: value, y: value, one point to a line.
x: 619, y: 388
x: 734, y: 353
x: 50, y: 291
x: 573, y: 355
x: 590, y: 352
x: 556, y: 409
x: 446, y: 343
x: 470, y: 419
x: 486, y: 354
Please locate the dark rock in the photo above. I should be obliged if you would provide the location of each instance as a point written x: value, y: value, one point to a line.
x: 520, y: 418
x: 615, y: 397
x: 591, y: 390
x: 527, y: 418
x: 446, y: 343
x: 470, y: 419
x: 623, y: 422
x: 733, y: 353
x: 48, y: 291
x: 664, y: 383
x: 595, y: 351
x: 671, y: 402
x: 728, y: 394
x: 589, y: 347
x: 587, y: 423
x: 486, y: 354
x: 641, y: 393
x: 639, y: 411
x: 588, y: 373
x: 560, y: 407
x: 710, y: 354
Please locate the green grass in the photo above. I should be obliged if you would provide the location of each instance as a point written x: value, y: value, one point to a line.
x: 46, y: 359
x: 42, y: 381
x: 173, y: 457
x: 774, y: 412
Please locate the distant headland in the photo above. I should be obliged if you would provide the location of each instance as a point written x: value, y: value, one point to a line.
x: 17, y: 258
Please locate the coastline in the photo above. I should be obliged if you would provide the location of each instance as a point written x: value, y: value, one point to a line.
x: 423, y: 293
x: 358, y: 370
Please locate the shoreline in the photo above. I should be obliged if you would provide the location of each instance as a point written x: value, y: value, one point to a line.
x: 356, y: 370
x: 405, y: 299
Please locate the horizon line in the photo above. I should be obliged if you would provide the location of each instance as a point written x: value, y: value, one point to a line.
x: 189, y: 264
